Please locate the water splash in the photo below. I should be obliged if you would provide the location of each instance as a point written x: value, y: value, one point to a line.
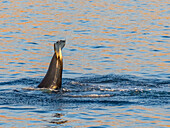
x: 109, y: 89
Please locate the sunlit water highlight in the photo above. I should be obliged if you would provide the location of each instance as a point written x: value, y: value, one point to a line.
x: 116, y: 63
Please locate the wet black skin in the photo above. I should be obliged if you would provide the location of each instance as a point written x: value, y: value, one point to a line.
x: 53, y: 77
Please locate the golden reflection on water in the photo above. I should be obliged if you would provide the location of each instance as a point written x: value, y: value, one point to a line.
x: 86, y: 24
x: 134, y: 114
x: 133, y: 36
x: 16, y: 120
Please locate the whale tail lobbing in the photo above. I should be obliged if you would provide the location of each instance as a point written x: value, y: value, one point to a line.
x: 53, y: 77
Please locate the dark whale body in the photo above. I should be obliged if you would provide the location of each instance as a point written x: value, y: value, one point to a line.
x: 53, y: 77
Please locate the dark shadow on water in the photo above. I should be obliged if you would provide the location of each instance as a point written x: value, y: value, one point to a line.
x: 105, y: 90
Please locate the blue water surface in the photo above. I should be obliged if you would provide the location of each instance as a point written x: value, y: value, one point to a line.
x: 116, y: 63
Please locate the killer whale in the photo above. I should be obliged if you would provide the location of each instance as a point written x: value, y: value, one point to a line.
x: 53, y: 77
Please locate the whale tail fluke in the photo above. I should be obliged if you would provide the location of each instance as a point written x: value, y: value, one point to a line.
x: 53, y: 77
x: 59, y: 45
